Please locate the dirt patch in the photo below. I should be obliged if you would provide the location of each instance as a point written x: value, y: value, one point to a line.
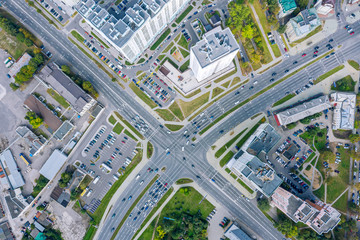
x: 342, y: 134
x: 317, y: 178
x: 177, y: 55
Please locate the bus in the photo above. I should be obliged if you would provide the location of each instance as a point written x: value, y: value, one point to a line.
x: 27, y: 162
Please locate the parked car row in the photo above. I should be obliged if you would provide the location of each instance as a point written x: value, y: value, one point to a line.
x: 224, y: 222
x: 186, y: 35
x: 94, y: 140
x: 211, y: 215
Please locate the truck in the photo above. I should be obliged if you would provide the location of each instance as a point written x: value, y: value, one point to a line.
x: 22, y: 156
x: 96, y: 179
x: 7, y: 60
x: 9, y: 63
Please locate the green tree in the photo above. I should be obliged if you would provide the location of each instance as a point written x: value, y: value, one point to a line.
x: 238, y: 14
x: 354, y: 138
x: 20, y: 37
x: 66, y: 69
x: 40, y: 207
x: 28, y: 42
x: 34, y: 120
x: 263, y: 204
x: 307, y: 234
x: 282, y: 29
x: 247, y: 32
x: 302, y: 4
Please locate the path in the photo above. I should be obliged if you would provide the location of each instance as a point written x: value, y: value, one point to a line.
x: 339, y: 195
x: 262, y: 32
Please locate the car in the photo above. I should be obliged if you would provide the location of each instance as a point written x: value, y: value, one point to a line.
x: 273, y: 74
x: 251, y: 87
x: 338, y: 15
x: 352, y: 33
x: 346, y: 27
x: 287, y: 70
x: 237, y: 93
x: 113, y: 215
x: 315, y: 55
x: 141, y: 182
x: 135, y: 218
x: 130, y: 197
x: 331, y: 40
x: 303, y: 55
x: 316, y: 52
x: 271, y: 80
x: 192, y: 165
x: 295, y: 62
x: 113, y: 229
x: 165, y: 184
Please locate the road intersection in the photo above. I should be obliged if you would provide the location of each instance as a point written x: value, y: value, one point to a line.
x: 176, y: 167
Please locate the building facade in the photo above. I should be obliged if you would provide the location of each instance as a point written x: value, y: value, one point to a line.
x: 301, y: 25
x: 286, y: 7
x: 213, y: 53
x: 325, y: 7
x: 135, y: 27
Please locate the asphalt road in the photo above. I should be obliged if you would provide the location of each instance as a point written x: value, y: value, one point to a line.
x: 176, y: 167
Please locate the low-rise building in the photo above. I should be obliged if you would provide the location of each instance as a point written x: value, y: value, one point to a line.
x: 23, y: 61
x: 344, y: 110
x: 53, y: 164
x: 254, y: 172
x: 286, y: 7
x: 320, y: 216
x: 235, y: 233
x: 325, y: 7
x: 213, y: 53
x: 55, y: 78
x: 302, y: 110
x: 301, y: 25
x: 35, y: 143
x: 11, y: 169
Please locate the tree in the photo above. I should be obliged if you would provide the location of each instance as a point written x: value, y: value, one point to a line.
x: 354, y: 138
x: 66, y: 69
x: 34, y: 120
x: 263, y: 204
x: 282, y: 29
x: 238, y: 14
x: 20, y: 37
x: 328, y: 156
x: 28, y: 42
x: 353, y: 207
x: 302, y: 4
x: 40, y: 207
x: 247, y: 32
x: 307, y: 234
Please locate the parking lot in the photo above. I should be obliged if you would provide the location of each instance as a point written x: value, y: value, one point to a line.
x: 54, y: 9
x: 105, y: 158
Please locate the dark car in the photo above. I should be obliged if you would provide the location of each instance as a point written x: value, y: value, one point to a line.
x: 295, y: 62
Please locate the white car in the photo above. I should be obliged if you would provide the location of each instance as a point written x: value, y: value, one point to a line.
x: 141, y: 182
x: 137, y: 176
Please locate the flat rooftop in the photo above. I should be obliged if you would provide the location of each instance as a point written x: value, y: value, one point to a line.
x: 11, y: 169
x: 215, y: 44
x: 53, y: 164
x: 344, y: 110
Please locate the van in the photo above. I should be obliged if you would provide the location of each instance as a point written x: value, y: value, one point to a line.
x: 137, y: 176
x: 96, y: 179
x: 89, y: 193
x: 182, y: 149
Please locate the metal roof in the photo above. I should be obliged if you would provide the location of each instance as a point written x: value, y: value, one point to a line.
x: 53, y: 164
x: 11, y: 169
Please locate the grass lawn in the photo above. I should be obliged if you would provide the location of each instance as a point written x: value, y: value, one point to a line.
x: 173, y: 50
x: 133, y: 206
x: 276, y: 50
x: 118, y: 128
x: 184, y: 181
x: 99, y: 39
x: 189, y: 95
x: 184, y: 52
x: 252, y: 130
x: 60, y: 99
x: 346, y: 84
x: 226, y: 75
x: 341, y: 203
x: 227, y: 170
x: 245, y: 186
x: 185, y: 66
x: 141, y: 61
x: 142, y: 95
x: 226, y: 84
x: 320, y: 193
x: 233, y: 175
x: 177, y: 37
x: 235, y: 81
x: 175, y: 109
x: 216, y: 92
x: 173, y: 127
x: 354, y: 64
x: 190, y: 107
x: 183, y: 43
x: 129, y: 126
x: 168, y: 47
x: 77, y: 35
x: 130, y: 135
x: 165, y: 114
x: 160, y: 39
x: 150, y: 229
x: 284, y: 99
x: 183, y: 15
x: 112, y: 120
x: 12, y: 45
x: 319, y: 141
x: 150, y: 150
x: 226, y: 158
x: 228, y: 144
x: 90, y: 233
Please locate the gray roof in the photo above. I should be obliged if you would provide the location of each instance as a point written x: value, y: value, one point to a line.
x: 265, y: 141
x: 9, y: 165
x: 215, y: 19
x: 235, y: 233
x: 39, y: 226
x: 66, y: 87
x: 53, y: 164
x: 215, y: 44
x: 63, y: 130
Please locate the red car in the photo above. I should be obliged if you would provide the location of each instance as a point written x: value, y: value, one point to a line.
x: 352, y: 33
x: 304, y: 54
x: 123, y: 141
x: 316, y: 52
x: 86, y: 33
x: 165, y: 184
x: 148, y: 169
x: 102, y: 46
x: 285, y: 49
x: 124, y: 76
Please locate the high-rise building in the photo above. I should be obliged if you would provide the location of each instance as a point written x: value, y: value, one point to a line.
x: 286, y: 7
x: 213, y: 53
x: 136, y: 25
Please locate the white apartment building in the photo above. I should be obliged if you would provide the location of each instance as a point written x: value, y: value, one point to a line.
x: 213, y: 53
x: 135, y: 27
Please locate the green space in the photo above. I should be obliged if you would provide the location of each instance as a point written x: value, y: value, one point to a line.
x: 354, y: 64
x: 168, y: 47
x: 148, y: 232
x: 77, y: 35
x: 227, y: 170
x: 291, y: 125
x: 98, y: 214
x: 175, y: 109
x: 40, y: 184
x: 60, y: 99
x: 190, y: 107
x: 184, y: 52
x: 233, y: 175
x: 228, y: 144
x: 142, y: 95
x: 90, y: 233
x: 312, y: 33
x: 328, y: 74
x: 226, y: 158
x: 172, y: 50
x: 342, y: 203
x: 183, y: 14
x: 165, y: 114
x: 129, y: 126
x: 189, y: 95
x: 226, y: 75
x: 141, y: 60
x: 284, y: 99
x: 185, y: 66
x: 112, y: 120
x: 150, y: 150
x: 173, y: 127
x: 245, y: 186
x: 346, y: 84
x: 118, y: 128
x: 133, y: 206
x: 320, y: 193
x: 130, y: 135
x: 99, y: 39
x: 320, y: 137
x: 216, y: 91
x: 183, y: 181
x: 160, y: 39
x: 188, y: 213
x: 235, y: 81
x: 183, y: 43
x: 226, y: 84
x: 251, y: 132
